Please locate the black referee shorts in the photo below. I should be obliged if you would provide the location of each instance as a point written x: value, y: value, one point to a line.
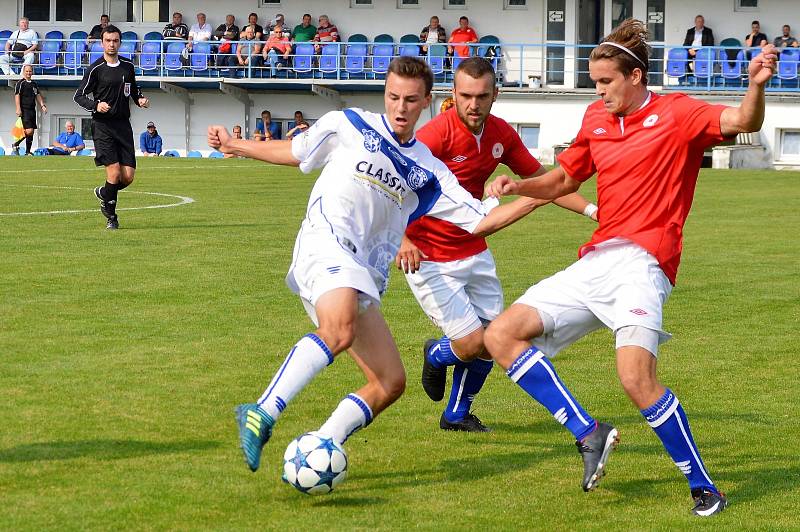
x: 28, y: 117
x: 113, y: 143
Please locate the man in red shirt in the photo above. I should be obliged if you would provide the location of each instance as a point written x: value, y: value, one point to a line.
x: 646, y: 150
x: 462, y: 34
x: 452, y: 273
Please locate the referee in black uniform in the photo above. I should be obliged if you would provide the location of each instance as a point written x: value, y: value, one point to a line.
x: 26, y: 94
x: 111, y: 81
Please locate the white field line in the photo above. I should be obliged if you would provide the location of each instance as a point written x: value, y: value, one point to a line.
x: 183, y: 201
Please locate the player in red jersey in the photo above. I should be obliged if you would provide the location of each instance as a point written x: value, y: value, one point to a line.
x: 456, y: 284
x: 646, y: 150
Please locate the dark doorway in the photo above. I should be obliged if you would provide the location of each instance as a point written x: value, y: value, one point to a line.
x: 590, y: 31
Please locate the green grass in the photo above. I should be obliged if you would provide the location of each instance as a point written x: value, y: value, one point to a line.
x: 122, y: 355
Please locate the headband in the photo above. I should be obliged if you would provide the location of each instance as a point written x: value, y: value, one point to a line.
x: 627, y: 51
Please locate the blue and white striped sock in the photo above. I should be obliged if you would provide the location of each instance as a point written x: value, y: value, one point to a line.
x: 352, y: 414
x: 441, y: 354
x: 468, y: 380
x: 667, y: 418
x: 308, y: 357
x: 534, y: 373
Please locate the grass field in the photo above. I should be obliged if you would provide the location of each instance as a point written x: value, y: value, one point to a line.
x: 122, y: 355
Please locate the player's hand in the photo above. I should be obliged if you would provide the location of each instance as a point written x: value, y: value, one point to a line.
x: 103, y: 107
x: 144, y: 102
x: 409, y: 257
x: 502, y: 186
x: 762, y: 66
x: 218, y: 138
x: 19, y: 112
x: 44, y: 108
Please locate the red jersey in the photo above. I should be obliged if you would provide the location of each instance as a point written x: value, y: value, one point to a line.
x: 472, y: 163
x: 459, y: 35
x: 646, y: 172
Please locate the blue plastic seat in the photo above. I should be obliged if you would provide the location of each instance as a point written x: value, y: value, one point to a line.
x: 704, y: 63
x: 303, y: 55
x: 198, y: 60
x: 73, y: 56
x: 788, y: 67
x: 148, y: 58
x: 435, y: 58
x: 732, y: 71
x: 152, y: 36
x: 194, y: 154
x: 355, y: 60
x: 127, y: 49
x: 95, y: 52
x: 409, y: 50
x: 54, y: 35
x: 172, y: 57
x: 215, y: 155
x: 409, y: 38
x: 381, y: 57
x: 677, y: 61
x: 358, y: 38
x: 329, y: 61
x: 128, y: 36
x: 384, y: 38
x: 48, y: 57
x: 79, y: 35
x: 4, y: 36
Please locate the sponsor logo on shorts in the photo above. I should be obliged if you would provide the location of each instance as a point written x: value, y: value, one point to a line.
x: 372, y: 141
x: 638, y: 312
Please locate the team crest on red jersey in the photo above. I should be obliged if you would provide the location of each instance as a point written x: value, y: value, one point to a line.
x: 650, y: 121
x: 497, y: 150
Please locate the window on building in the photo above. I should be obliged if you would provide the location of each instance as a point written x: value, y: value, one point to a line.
x: 156, y: 11
x: 455, y: 4
x: 515, y: 4
x: 122, y: 10
x: 790, y: 144
x: 269, y: 3
x: 407, y: 3
x: 529, y: 133
x: 139, y: 11
x: 360, y: 3
x: 620, y: 10
x: 53, y: 10
x: 746, y: 5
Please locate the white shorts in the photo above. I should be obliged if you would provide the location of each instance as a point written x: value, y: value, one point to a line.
x: 458, y: 296
x: 322, y: 264
x: 616, y: 285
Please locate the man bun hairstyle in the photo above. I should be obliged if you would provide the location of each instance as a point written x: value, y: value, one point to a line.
x: 627, y: 46
x: 476, y: 67
x: 412, y: 67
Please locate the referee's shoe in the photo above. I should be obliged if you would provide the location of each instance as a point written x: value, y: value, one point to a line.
x: 107, y: 210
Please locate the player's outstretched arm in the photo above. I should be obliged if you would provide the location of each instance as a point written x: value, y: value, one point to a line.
x: 572, y: 202
x: 551, y: 185
x: 749, y: 116
x: 275, y: 151
x: 507, y: 214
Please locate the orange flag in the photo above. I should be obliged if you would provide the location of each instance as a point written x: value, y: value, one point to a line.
x: 18, y: 131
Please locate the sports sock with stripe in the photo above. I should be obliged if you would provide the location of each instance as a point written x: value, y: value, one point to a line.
x: 534, y: 373
x: 667, y: 418
x: 441, y: 354
x: 468, y: 380
x: 352, y: 414
x: 307, y: 358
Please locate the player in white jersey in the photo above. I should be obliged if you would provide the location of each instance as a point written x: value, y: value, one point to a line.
x: 376, y: 178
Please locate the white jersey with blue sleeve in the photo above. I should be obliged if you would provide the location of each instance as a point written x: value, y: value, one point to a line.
x: 370, y: 188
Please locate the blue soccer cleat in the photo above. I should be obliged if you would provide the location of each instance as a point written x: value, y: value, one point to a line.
x: 255, y: 428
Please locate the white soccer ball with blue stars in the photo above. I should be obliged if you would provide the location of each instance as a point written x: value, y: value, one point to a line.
x: 314, y: 463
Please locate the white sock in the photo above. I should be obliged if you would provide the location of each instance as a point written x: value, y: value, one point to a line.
x: 308, y: 357
x: 352, y: 414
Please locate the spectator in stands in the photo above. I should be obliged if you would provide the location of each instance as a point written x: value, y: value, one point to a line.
x: 279, y: 20
x: 326, y: 33
x: 67, y: 142
x: 97, y: 30
x: 236, y: 133
x: 277, y: 50
x: 258, y: 30
x: 248, y: 52
x: 267, y: 130
x: 304, y: 32
x: 226, y: 33
x: 432, y: 33
x: 755, y: 39
x: 698, y: 36
x: 150, y: 141
x: 462, y: 34
x: 786, y: 40
x: 300, y: 125
x: 200, y: 31
x: 177, y: 30
x: 20, y: 47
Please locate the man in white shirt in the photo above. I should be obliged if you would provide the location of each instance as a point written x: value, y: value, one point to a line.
x: 200, y: 31
x: 376, y: 178
x: 20, y: 47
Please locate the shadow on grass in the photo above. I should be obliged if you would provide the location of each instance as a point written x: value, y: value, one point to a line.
x: 98, y: 449
x: 335, y: 501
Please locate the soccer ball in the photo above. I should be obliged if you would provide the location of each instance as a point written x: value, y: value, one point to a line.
x: 314, y: 463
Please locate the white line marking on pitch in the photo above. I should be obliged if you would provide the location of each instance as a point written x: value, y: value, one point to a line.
x: 184, y: 200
